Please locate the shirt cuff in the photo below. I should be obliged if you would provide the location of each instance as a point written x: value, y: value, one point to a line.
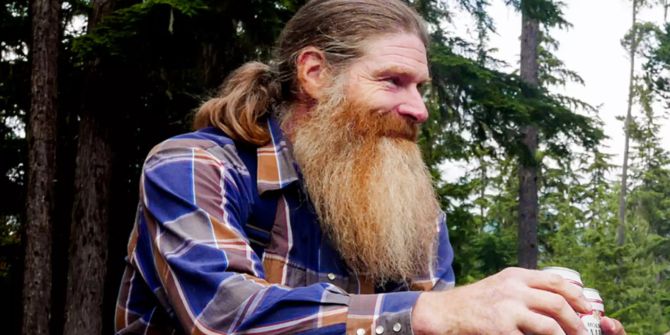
x: 387, y: 313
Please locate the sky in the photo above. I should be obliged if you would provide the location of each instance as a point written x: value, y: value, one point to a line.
x: 591, y: 47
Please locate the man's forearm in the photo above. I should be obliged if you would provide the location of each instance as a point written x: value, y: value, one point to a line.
x: 514, y: 301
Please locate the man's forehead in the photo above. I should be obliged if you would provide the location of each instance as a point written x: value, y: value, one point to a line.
x: 402, y: 53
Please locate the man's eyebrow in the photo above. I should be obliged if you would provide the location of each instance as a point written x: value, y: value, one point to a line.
x: 403, y: 71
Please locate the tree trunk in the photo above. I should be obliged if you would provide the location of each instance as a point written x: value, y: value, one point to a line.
x: 528, y: 203
x: 90, y: 214
x: 37, y: 277
x: 621, y: 229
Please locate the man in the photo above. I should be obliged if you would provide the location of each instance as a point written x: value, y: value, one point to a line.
x: 302, y: 203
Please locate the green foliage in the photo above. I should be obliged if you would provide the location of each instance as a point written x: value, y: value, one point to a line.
x: 552, y: 70
x: 481, y: 220
x: 492, y: 105
x: 578, y: 203
x: 641, y: 38
x: 433, y: 11
x: 162, y: 57
x: 633, y: 278
x: 548, y: 12
x: 110, y: 37
x: 658, y: 66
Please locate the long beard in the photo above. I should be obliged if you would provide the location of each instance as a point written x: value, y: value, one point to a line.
x: 370, y: 187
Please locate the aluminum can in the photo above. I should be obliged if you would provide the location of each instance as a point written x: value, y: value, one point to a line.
x: 592, y: 320
x: 575, y: 278
x: 570, y: 275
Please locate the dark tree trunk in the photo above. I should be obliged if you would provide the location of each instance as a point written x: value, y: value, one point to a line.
x: 37, y: 277
x: 528, y: 204
x: 621, y: 228
x: 90, y: 214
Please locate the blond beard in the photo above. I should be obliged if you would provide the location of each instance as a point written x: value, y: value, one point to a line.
x: 370, y: 187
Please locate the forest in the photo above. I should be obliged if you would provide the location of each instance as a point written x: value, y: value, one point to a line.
x: 88, y: 87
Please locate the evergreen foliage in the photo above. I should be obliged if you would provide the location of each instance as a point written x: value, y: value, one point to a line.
x: 163, y: 57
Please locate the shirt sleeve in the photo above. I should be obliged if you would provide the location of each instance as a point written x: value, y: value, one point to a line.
x: 193, y: 254
x: 442, y: 275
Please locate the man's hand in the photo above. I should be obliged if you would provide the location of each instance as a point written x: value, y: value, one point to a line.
x: 513, y: 301
x: 611, y: 327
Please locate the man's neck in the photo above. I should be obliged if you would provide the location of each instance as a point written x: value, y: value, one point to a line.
x: 296, y: 112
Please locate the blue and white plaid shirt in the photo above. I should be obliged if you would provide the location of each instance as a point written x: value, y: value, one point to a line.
x: 226, y: 242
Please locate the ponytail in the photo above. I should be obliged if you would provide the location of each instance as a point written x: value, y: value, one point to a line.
x: 245, y: 97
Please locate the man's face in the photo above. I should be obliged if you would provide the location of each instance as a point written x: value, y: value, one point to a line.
x: 361, y: 166
x: 388, y: 78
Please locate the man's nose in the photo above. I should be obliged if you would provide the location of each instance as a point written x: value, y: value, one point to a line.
x: 414, y: 107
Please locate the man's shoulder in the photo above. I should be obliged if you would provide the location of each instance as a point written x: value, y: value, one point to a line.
x: 204, y: 138
x: 209, y: 143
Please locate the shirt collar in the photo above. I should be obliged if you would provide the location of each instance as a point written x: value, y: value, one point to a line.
x: 276, y: 166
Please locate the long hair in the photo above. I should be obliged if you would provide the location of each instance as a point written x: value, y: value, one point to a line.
x: 339, y: 28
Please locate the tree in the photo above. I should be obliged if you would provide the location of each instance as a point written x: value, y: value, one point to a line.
x: 136, y: 75
x: 41, y: 169
x: 637, y: 42
x: 632, y: 49
x: 650, y: 197
x: 90, y: 214
x: 476, y: 114
x: 528, y: 176
x: 539, y: 68
x: 148, y: 66
x: 641, y: 261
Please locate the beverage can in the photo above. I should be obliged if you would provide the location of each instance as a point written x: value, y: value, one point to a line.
x: 592, y: 321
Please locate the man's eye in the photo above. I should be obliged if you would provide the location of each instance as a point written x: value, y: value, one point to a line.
x: 395, y: 81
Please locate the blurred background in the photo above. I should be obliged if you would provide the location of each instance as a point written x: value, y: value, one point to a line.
x: 548, y: 144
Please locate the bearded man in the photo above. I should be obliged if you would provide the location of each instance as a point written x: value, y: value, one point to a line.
x: 302, y: 205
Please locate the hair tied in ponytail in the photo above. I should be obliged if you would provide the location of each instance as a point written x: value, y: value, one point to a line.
x: 244, y: 98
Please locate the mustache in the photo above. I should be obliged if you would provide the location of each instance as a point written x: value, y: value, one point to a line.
x: 379, y: 124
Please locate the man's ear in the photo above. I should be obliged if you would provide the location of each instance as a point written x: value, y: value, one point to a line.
x: 312, y: 72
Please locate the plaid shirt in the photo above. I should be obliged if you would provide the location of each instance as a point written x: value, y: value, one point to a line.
x: 225, y: 241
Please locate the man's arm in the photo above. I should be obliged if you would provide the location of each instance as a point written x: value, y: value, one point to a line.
x: 514, y: 301
x: 193, y: 254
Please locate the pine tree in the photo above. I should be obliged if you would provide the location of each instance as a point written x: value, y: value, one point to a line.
x: 528, y: 170
x: 41, y: 167
x: 632, y: 49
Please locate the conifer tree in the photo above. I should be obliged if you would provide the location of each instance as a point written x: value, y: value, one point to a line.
x: 42, y: 137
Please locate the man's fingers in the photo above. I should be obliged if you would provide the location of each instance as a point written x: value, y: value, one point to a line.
x: 556, y: 307
x: 538, y: 324
x: 611, y: 326
x: 554, y: 283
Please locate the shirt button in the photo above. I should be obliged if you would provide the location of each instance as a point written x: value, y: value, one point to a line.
x: 379, y: 330
x: 360, y: 331
x: 331, y: 276
x: 397, y: 327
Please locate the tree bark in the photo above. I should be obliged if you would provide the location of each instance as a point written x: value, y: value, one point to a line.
x: 621, y: 229
x: 90, y: 214
x: 528, y: 203
x: 37, y: 277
